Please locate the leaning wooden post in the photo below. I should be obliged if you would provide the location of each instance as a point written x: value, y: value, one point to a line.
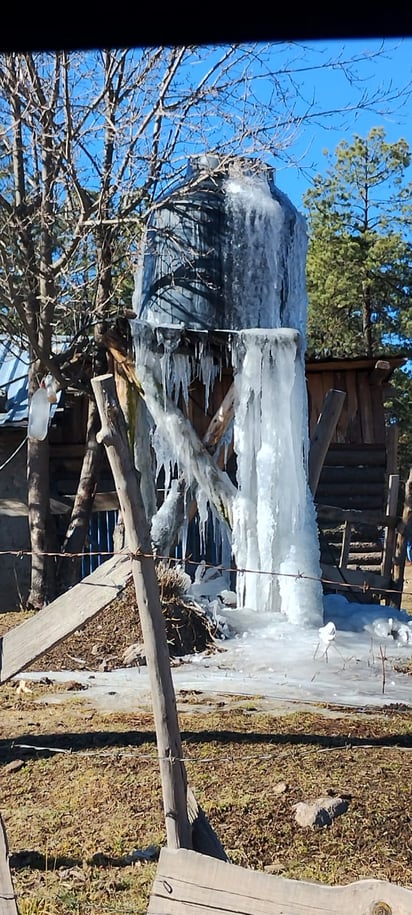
x: 322, y: 436
x: 404, y: 534
x: 113, y: 435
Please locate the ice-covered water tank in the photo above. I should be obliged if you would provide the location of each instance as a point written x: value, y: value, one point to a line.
x: 225, y: 250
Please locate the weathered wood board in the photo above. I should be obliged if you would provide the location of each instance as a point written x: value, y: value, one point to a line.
x: 187, y: 883
x: 24, y: 644
x: 103, y: 501
x: 8, y: 905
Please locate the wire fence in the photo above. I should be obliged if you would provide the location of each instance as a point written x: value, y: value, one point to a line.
x: 363, y: 588
x: 222, y: 758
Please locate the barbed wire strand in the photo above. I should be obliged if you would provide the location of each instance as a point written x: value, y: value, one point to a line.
x: 364, y: 588
x: 200, y: 760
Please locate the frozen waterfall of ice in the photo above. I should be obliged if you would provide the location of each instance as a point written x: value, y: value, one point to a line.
x: 275, y: 539
x: 274, y: 531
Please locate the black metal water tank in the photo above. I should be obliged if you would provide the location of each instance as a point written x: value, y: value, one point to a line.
x: 219, y: 253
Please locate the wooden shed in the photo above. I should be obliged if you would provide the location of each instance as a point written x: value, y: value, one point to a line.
x: 367, y: 384
x: 358, y: 493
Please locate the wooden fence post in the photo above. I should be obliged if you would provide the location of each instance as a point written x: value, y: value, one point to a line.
x: 404, y: 535
x: 113, y: 435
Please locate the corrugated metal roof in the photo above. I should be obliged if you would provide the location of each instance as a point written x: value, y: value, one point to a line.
x: 14, y: 366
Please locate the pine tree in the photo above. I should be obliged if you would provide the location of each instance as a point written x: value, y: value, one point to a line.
x: 359, y: 266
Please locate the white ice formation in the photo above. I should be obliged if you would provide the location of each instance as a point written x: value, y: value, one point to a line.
x: 274, y: 538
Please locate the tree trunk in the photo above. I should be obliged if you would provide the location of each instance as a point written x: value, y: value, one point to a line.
x: 38, y: 504
x: 367, y: 318
x: 69, y: 567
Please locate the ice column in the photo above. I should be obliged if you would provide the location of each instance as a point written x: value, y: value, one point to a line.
x: 274, y: 529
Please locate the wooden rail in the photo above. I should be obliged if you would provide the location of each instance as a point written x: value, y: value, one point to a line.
x: 187, y: 883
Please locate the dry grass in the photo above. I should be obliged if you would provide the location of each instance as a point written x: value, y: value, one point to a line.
x: 73, y: 817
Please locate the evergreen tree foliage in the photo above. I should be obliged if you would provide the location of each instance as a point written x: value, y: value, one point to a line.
x: 359, y: 266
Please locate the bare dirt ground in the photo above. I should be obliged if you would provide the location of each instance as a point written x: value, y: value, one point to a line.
x: 80, y: 790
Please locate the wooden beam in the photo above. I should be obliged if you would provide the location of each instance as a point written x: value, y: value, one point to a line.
x: 392, y: 441
x: 16, y: 508
x: 361, y: 579
x: 405, y: 534
x: 13, y: 508
x: 351, y: 365
x: 164, y: 536
x: 353, y: 474
x: 354, y: 488
x: 390, y: 533
x: 350, y: 454
x: 323, y: 433
x: 380, y: 372
x: 333, y: 514
x: 220, y: 422
x: 113, y: 435
x: 8, y: 904
x: 345, y: 549
x: 187, y: 883
x: 25, y: 643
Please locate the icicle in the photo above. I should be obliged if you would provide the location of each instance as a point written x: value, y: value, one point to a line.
x: 177, y: 443
x: 182, y: 377
x: 208, y: 373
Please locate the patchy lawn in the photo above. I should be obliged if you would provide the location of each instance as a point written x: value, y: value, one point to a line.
x: 80, y: 790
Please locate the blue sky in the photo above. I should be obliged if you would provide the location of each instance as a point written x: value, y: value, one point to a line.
x: 391, y: 69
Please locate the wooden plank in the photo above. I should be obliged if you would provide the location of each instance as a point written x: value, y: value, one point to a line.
x: 8, y: 905
x: 392, y: 441
x: 353, y: 474
x: 334, y: 514
x: 352, y: 432
x: 103, y: 501
x: 356, y: 501
x: 360, y: 578
x: 344, y: 553
x: 323, y: 434
x: 187, y: 883
x: 113, y: 435
x: 351, y: 365
x: 14, y: 508
x: 316, y: 395
x: 371, y: 561
x: 390, y: 535
x: 355, y: 455
x: 404, y: 534
x: 351, y: 488
x: 365, y: 407
x: 25, y: 643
